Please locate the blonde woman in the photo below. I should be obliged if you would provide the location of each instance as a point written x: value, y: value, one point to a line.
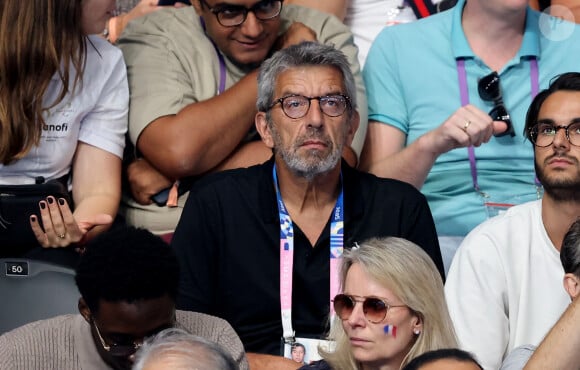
x: 392, y: 308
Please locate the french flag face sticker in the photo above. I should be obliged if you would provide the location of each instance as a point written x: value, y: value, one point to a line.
x: 390, y: 330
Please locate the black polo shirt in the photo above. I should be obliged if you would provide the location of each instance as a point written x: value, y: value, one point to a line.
x: 228, y: 245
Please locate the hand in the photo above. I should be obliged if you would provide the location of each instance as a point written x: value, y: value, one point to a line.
x: 145, y: 181
x: 60, y: 227
x: 295, y: 34
x: 468, y: 126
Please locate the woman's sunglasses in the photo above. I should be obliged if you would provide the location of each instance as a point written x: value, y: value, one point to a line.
x: 375, y: 309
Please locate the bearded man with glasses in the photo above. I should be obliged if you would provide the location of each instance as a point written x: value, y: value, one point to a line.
x: 504, y: 286
x: 192, y: 77
x: 259, y: 246
x: 128, y: 283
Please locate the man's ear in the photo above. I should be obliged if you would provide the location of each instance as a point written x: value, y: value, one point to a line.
x: 84, y: 310
x: 353, y: 126
x: 264, y: 129
x: 572, y: 285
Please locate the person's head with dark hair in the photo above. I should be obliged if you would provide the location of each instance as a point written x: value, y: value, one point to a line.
x: 444, y: 359
x: 570, y: 258
x: 128, y: 281
x: 298, y: 351
x: 553, y: 126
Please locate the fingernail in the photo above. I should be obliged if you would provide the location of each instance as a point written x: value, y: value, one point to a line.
x: 33, y: 218
x: 50, y: 200
x: 42, y: 205
x: 61, y: 201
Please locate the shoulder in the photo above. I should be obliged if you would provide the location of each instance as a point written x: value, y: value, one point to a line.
x: 39, y: 335
x: 199, y: 323
x: 325, y: 25
x: 239, y: 179
x: 369, y: 184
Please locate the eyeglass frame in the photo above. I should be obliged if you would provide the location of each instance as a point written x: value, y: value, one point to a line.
x: 219, y: 9
x: 131, y: 348
x: 280, y: 101
x: 366, y: 298
x: 499, y: 108
x: 556, y: 129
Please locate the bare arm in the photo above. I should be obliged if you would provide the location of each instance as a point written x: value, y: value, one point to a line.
x: 386, y: 155
x: 336, y: 7
x: 559, y: 349
x: 259, y: 361
x: 202, y: 134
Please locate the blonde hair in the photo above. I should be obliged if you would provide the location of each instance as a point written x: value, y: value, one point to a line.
x: 39, y: 38
x: 411, y: 275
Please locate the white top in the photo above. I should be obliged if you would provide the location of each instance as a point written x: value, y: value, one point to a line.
x: 366, y: 18
x: 504, y: 287
x: 95, y: 114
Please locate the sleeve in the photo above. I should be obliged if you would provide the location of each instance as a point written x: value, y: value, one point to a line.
x: 159, y: 80
x: 420, y: 228
x: 195, y: 241
x: 106, y: 124
x: 382, y: 78
x: 476, y: 295
x: 229, y: 340
x: 7, y: 353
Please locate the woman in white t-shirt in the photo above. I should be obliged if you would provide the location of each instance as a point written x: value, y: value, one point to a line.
x: 63, y: 112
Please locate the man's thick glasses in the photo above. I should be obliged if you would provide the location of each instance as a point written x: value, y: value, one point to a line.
x: 297, y: 106
x: 542, y: 134
x: 490, y: 90
x: 374, y: 309
x: 229, y: 15
x: 117, y: 350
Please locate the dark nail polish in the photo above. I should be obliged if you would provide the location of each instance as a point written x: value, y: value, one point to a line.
x: 50, y: 200
x: 33, y: 218
x: 61, y: 202
x: 42, y: 205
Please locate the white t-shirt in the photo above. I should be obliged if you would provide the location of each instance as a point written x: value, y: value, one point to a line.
x: 504, y: 288
x: 96, y: 114
x: 367, y: 18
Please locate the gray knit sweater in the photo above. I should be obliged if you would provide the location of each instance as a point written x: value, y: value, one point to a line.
x: 65, y: 342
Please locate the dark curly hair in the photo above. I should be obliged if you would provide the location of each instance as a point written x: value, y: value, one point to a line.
x: 127, y: 264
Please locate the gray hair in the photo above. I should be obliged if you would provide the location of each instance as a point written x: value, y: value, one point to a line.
x: 411, y: 275
x: 307, y: 53
x: 570, y: 251
x: 183, y: 351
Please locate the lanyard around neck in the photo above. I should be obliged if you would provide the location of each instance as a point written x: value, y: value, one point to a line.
x: 222, y: 83
x: 287, y: 254
x: 464, y: 92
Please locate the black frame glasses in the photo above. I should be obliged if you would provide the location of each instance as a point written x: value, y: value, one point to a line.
x: 229, y: 15
x: 490, y: 90
x: 375, y: 309
x: 117, y: 350
x: 542, y: 134
x: 297, y: 106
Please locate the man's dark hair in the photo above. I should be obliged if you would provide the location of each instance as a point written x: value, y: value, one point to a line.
x: 127, y: 265
x: 570, y: 251
x: 569, y: 81
x: 440, y: 354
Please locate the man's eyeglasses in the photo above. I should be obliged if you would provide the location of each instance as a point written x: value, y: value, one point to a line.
x: 490, y: 90
x: 297, y: 106
x: 374, y: 309
x: 229, y: 15
x: 117, y: 350
x: 542, y: 134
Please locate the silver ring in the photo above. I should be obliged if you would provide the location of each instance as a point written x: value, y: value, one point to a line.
x: 61, y: 235
x: 467, y: 123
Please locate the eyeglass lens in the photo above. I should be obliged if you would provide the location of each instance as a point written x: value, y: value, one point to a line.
x: 232, y: 15
x: 489, y: 90
x: 543, y: 134
x: 116, y: 350
x: 297, y: 106
x: 374, y: 309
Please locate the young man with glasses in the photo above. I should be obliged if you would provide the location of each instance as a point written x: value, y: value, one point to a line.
x: 192, y: 75
x: 504, y: 286
x: 440, y: 88
x: 259, y: 246
x: 128, y: 283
